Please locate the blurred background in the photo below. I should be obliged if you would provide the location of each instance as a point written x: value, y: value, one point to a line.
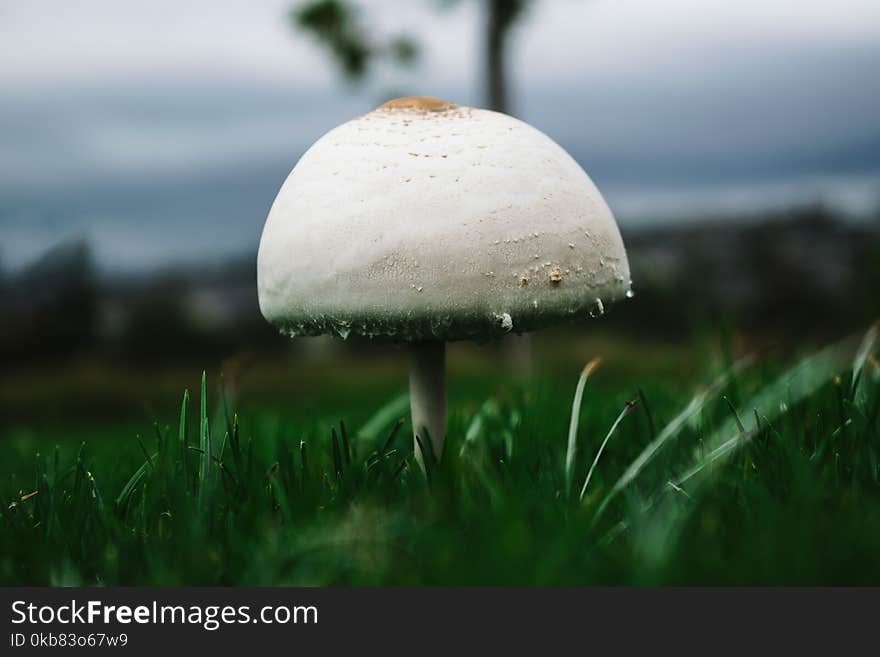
x: 142, y: 144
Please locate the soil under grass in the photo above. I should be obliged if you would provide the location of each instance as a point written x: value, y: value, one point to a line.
x: 759, y: 471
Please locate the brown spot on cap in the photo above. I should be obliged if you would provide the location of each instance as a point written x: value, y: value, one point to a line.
x: 418, y: 103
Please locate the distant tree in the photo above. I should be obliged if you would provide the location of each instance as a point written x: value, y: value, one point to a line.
x: 50, y: 308
x: 502, y: 16
x: 335, y: 24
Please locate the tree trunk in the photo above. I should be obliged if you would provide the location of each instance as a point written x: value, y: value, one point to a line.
x: 496, y: 54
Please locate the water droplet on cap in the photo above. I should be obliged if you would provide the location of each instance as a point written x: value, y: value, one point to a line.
x: 506, y: 321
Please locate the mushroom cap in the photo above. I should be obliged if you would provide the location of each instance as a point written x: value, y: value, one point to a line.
x: 425, y: 220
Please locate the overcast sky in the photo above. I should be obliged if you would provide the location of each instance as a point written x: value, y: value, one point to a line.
x: 658, y: 100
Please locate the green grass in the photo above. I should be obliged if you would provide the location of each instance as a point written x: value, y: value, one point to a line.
x: 767, y: 473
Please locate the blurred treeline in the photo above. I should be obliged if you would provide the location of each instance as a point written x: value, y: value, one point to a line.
x: 60, y: 308
x: 801, y: 274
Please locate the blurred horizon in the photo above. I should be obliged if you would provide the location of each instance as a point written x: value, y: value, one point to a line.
x: 160, y: 133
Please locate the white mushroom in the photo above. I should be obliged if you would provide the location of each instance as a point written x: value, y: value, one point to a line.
x: 425, y: 222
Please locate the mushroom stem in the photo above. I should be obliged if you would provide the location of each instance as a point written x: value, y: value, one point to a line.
x: 427, y: 395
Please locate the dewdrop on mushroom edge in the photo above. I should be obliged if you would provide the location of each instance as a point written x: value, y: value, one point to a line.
x: 423, y: 222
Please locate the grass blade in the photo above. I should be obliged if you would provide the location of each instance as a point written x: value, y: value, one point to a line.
x: 393, y: 435
x: 427, y: 459
x: 337, y: 456
x: 204, y: 441
x: 183, y: 432
x: 652, y: 427
x: 489, y: 409
x: 866, y: 348
x: 144, y: 451
x: 303, y: 464
x: 389, y: 413
x: 133, y: 481
x: 346, y: 448
x: 630, y: 405
x: 739, y: 425
x: 571, y: 451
